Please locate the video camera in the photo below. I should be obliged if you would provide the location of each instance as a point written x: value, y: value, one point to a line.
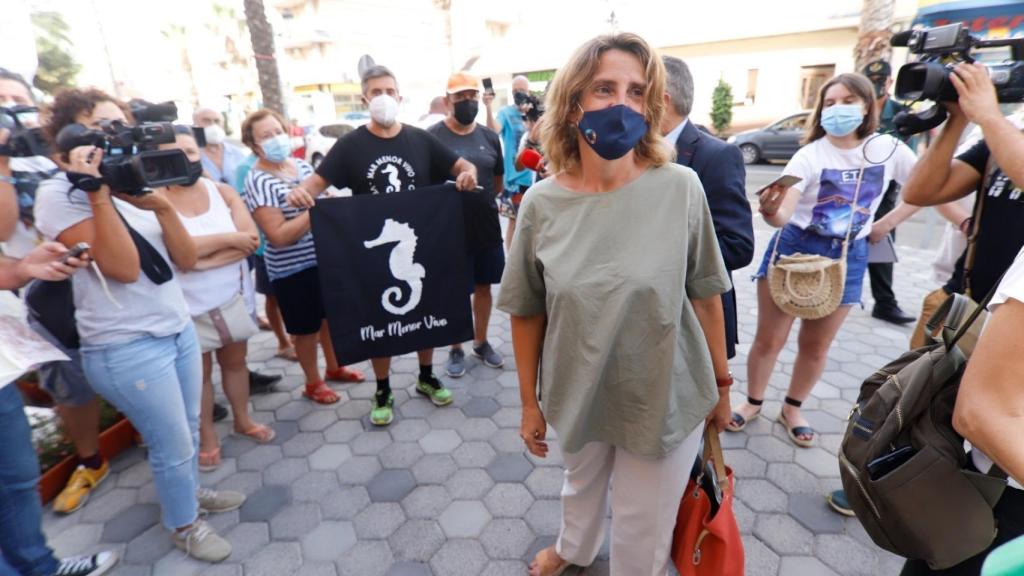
x: 941, y: 49
x: 22, y: 140
x: 530, y: 106
x: 132, y: 163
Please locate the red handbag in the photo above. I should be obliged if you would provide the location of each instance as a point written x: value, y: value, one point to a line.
x: 707, y: 539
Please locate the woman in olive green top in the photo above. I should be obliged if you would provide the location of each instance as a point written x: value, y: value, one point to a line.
x: 615, y: 274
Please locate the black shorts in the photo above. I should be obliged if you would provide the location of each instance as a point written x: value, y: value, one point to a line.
x: 263, y: 285
x: 298, y: 297
x: 486, y: 265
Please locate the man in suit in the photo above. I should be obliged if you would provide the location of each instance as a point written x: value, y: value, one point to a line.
x: 720, y: 168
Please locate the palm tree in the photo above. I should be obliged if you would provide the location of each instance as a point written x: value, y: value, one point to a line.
x: 177, y: 34
x: 876, y: 17
x: 446, y: 7
x: 262, y: 36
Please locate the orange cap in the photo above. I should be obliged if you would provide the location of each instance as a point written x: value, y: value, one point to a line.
x: 461, y: 81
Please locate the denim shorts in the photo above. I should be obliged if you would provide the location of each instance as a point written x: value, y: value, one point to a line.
x: 65, y: 382
x: 795, y: 239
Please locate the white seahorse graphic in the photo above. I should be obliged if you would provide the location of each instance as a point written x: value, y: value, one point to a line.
x: 402, y: 266
x: 394, y: 184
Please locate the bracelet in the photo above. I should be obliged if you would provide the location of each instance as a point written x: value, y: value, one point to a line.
x: 724, y: 382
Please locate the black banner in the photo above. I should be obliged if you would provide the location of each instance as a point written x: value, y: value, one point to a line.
x: 393, y: 271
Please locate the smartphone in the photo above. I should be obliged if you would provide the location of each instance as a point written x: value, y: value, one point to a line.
x: 785, y: 181
x: 75, y: 251
x: 488, y: 86
x: 886, y: 463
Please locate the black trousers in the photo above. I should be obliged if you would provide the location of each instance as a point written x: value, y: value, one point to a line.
x: 881, y: 274
x: 1009, y: 513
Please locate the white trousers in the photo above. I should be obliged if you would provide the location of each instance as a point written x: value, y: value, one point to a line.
x: 644, y: 501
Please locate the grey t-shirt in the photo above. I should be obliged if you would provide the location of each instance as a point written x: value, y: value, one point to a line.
x: 624, y: 360
x: 147, y: 309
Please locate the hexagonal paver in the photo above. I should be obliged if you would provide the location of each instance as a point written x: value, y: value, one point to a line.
x: 509, y: 467
x: 245, y: 482
x: 464, y: 519
x: 447, y: 418
x: 344, y: 503
x: 366, y: 558
x: 285, y: 471
x: 263, y: 504
x: 317, y: 421
x: 343, y: 431
x: 294, y: 410
x: 329, y: 457
x: 506, y: 539
x: 372, y: 442
x: 302, y: 444
x: 401, y: 455
x: 469, y: 484
x: 410, y: 569
x: 792, y: 478
x: 147, y: 548
x: 426, y: 502
x: 804, y: 566
x: 359, y: 470
x: 812, y: 511
x: 547, y: 482
x: 354, y: 409
x: 508, y: 500
x: 416, y: 541
x: 276, y: 559
x: 759, y: 559
x: 294, y: 521
x: 818, y: 461
x: 434, y: 469
x: 507, y: 440
x: 459, y: 558
x: 783, y: 535
x: 409, y: 430
x: 545, y: 517
x: 761, y: 495
x: 259, y: 458
x: 247, y: 538
x: 391, y: 485
x: 109, y: 505
x: 327, y: 541
x: 440, y: 441
x: 481, y: 408
x: 379, y: 520
x: 314, y: 486
x: 126, y: 525
x: 474, y: 454
x: 477, y: 429
x: 76, y: 539
x: 745, y: 463
x: 845, y: 555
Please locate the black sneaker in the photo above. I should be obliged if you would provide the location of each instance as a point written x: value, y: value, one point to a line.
x: 219, y: 412
x: 489, y: 355
x: 262, y: 383
x: 837, y: 500
x: 93, y: 565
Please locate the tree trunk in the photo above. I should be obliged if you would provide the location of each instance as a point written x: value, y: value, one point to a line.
x: 876, y: 18
x: 262, y: 37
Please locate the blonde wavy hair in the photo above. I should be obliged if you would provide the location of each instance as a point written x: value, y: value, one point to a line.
x: 559, y: 134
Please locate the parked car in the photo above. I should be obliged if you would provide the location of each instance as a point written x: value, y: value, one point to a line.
x: 321, y: 137
x: 777, y: 141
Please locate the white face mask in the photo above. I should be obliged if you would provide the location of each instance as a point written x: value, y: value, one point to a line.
x: 214, y: 135
x: 384, y: 110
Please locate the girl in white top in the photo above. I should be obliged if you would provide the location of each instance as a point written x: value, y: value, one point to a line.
x: 225, y: 235
x: 814, y: 216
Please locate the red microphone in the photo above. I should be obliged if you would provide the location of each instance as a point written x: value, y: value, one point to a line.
x: 531, y: 159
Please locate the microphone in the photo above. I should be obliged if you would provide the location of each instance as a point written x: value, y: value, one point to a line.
x: 901, y: 39
x: 531, y: 159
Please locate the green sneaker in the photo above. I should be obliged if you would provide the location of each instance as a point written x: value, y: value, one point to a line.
x: 383, y: 413
x: 432, y: 388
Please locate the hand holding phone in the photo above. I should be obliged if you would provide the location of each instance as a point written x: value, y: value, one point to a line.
x: 785, y: 181
x: 76, y: 251
x: 488, y: 86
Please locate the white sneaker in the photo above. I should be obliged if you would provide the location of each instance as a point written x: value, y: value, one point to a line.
x: 202, y: 543
x: 217, y: 501
x: 89, y: 565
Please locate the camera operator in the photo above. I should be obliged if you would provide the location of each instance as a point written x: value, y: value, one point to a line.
x: 987, y: 408
x: 23, y: 549
x: 139, y: 347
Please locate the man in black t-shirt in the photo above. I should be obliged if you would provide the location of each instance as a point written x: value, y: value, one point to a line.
x: 993, y: 166
x: 382, y: 157
x: 485, y: 255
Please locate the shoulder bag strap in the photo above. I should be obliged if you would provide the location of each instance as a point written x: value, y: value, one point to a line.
x: 856, y: 197
x: 713, y: 451
x: 972, y: 239
x: 151, y: 262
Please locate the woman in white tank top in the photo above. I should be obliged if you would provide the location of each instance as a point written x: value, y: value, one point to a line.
x: 225, y: 235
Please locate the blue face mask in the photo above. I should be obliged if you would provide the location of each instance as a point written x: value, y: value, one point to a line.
x: 842, y: 119
x: 613, y: 132
x: 277, y: 149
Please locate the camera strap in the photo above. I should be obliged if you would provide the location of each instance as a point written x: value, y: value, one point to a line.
x: 151, y: 262
x: 972, y: 238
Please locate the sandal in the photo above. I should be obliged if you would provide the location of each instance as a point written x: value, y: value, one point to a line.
x: 539, y: 568
x: 344, y: 374
x: 287, y: 353
x: 796, y: 431
x: 260, y: 433
x: 209, y: 461
x: 319, y: 392
x: 738, y: 422
x: 263, y: 324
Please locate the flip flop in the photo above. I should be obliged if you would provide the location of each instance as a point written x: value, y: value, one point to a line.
x: 287, y: 353
x: 320, y: 393
x: 260, y: 433
x: 561, y: 567
x: 795, y: 432
x: 344, y: 374
x: 738, y: 422
x: 209, y: 461
x: 263, y: 324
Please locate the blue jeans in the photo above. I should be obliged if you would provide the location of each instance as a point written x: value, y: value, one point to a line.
x: 157, y: 384
x: 22, y: 543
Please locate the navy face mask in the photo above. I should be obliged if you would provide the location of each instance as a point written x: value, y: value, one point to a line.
x: 612, y: 132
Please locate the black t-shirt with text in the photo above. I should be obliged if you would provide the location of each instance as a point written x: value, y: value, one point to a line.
x: 368, y: 164
x: 482, y: 147
x: 1000, y: 235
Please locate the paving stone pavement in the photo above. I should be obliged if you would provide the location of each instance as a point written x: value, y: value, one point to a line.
x: 449, y: 491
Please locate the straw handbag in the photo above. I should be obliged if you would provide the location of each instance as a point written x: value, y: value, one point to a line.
x: 810, y: 286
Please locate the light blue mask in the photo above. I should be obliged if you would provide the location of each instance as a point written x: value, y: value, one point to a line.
x: 277, y: 149
x: 841, y: 119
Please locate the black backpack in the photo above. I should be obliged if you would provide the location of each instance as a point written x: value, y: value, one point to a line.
x: 904, y: 467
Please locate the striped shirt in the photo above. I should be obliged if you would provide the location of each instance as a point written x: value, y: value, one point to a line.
x: 263, y: 189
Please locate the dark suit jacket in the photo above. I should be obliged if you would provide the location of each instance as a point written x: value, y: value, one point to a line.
x: 720, y: 168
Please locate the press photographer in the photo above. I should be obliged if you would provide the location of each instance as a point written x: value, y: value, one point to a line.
x: 989, y: 394
x: 139, y: 347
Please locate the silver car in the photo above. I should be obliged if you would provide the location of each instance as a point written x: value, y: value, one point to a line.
x: 777, y: 141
